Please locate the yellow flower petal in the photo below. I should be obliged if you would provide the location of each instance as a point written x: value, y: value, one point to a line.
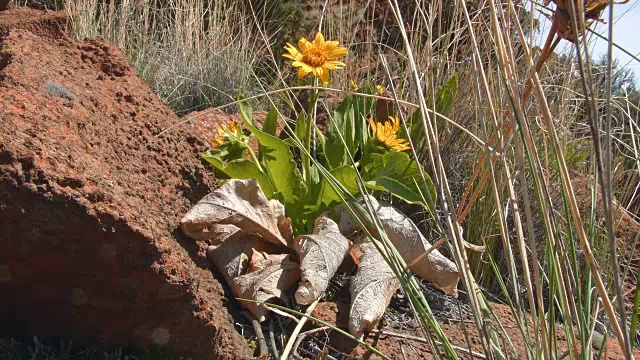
x: 298, y: 63
x: 319, y: 40
x: 387, y: 134
x: 330, y: 45
x: 322, y: 74
x: 292, y: 53
x: 304, y: 45
x: 337, y: 53
x: 303, y: 71
x: 336, y: 64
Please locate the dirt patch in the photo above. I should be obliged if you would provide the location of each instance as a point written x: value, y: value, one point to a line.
x: 52, y: 24
x: 400, y: 343
x: 90, y: 202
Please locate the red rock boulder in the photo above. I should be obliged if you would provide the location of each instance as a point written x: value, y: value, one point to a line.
x: 90, y: 201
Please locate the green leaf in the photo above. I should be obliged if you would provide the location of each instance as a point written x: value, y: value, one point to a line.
x: 396, y: 173
x: 346, y: 175
x: 271, y: 122
x: 278, y: 161
x: 335, y: 151
x: 240, y: 169
x: 341, y: 135
x: 445, y: 95
x: 301, y: 126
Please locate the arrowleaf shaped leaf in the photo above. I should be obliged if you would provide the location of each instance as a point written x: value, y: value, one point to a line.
x: 278, y: 161
x: 396, y: 173
x: 241, y: 169
x: 272, y: 276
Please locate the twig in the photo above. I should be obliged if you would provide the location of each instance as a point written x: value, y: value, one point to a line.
x: 427, y: 252
x: 272, y: 339
x: 264, y: 349
x: 303, y: 335
x: 296, y: 331
x: 471, y: 322
x: 424, y: 341
x: 282, y: 313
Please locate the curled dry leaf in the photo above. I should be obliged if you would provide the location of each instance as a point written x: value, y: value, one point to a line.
x: 232, y: 256
x: 371, y: 290
x: 410, y: 242
x: 273, y: 276
x: 243, y: 204
x: 320, y: 253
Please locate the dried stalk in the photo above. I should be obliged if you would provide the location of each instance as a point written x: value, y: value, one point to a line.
x: 296, y: 331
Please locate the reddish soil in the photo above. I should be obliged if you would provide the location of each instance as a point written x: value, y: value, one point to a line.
x: 90, y: 202
x: 50, y: 24
x: 626, y: 232
x: 457, y: 332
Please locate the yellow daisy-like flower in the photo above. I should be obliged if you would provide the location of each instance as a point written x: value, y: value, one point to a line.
x: 226, y: 133
x: 316, y: 57
x: 380, y: 89
x: 387, y: 134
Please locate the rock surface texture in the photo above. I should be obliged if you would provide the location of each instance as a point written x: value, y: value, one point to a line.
x: 90, y: 202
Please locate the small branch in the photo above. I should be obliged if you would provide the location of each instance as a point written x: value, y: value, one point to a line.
x: 427, y: 252
x: 296, y: 331
x: 272, y: 339
x: 304, y: 335
x: 282, y: 313
x: 264, y: 349
x: 424, y: 341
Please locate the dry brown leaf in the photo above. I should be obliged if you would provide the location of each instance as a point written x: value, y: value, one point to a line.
x: 243, y: 204
x: 371, y: 290
x: 410, y: 242
x: 232, y: 256
x: 355, y: 252
x: 320, y: 253
x: 276, y: 274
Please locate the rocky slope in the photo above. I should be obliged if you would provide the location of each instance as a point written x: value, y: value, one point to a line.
x: 90, y: 201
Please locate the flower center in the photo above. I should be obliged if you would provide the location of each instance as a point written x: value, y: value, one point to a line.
x: 314, y: 57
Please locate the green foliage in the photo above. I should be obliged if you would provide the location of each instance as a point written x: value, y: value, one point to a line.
x: 396, y: 173
x: 446, y: 94
x: 278, y: 161
x: 241, y: 169
x: 443, y: 101
x: 347, y: 148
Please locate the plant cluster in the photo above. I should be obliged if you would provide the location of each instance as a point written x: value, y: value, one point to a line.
x: 355, y: 145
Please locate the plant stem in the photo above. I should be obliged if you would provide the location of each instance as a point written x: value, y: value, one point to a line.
x: 254, y: 157
x: 311, y: 116
x: 296, y: 331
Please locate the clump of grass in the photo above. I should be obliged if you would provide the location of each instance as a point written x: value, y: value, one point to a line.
x: 193, y: 54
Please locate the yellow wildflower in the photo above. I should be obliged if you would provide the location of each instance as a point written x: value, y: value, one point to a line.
x: 387, y: 134
x: 227, y: 133
x: 316, y: 57
x: 380, y: 89
x: 354, y: 86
